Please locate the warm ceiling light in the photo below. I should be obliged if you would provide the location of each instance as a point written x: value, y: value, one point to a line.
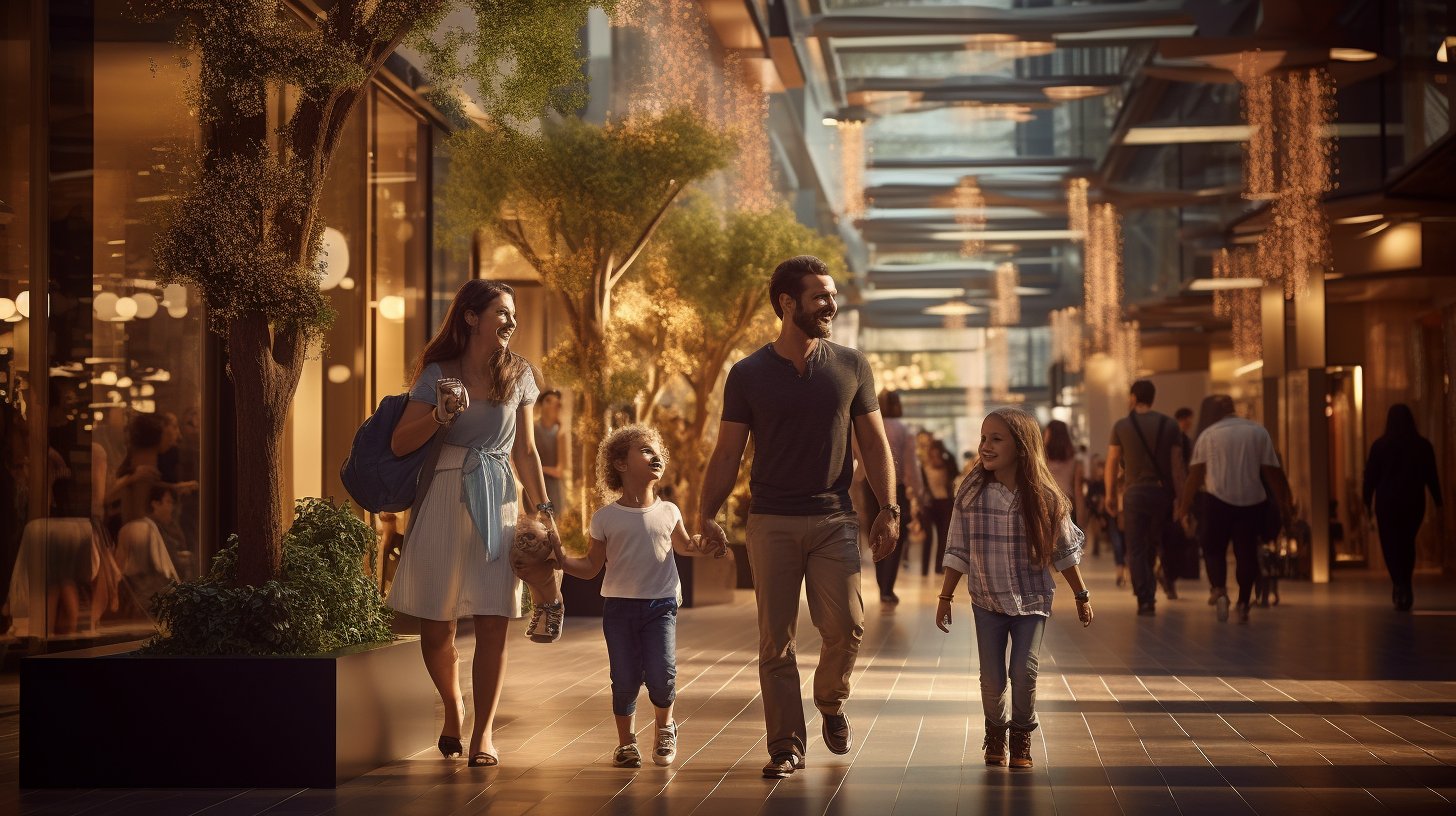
x: 1007, y: 235
x: 923, y: 294
x: 1065, y: 93
x: 1372, y: 231
x: 952, y: 308
x: 1245, y: 369
x: 1223, y: 284
x: 1351, y: 54
x: 1441, y: 52
x: 830, y: 121
x: 1358, y: 219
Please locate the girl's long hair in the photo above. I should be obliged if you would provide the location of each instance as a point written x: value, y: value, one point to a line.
x: 506, y: 367
x: 1042, y: 504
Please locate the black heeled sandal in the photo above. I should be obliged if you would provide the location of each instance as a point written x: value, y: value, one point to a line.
x: 451, y: 747
x: 483, y: 760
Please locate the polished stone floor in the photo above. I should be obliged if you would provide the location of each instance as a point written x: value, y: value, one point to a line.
x: 1330, y: 702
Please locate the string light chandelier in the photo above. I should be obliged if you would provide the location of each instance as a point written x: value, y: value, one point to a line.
x: 746, y: 107
x: 1006, y: 311
x: 1077, y: 207
x: 1125, y: 352
x: 970, y: 214
x: 1102, y: 275
x: 1066, y: 325
x: 1241, y: 306
x: 852, y: 157
x: 998, y: 360
x: 1287, y: 160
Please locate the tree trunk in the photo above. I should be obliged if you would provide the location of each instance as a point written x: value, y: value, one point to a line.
x: 265, y: 372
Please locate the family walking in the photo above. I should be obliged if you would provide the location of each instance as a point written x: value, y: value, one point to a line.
x: 810, y: 408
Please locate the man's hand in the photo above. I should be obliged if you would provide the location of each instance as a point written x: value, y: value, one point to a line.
x: 1112, y: 508
x: 716, y: 548
x: 713, y: 539
x: 885, y: 536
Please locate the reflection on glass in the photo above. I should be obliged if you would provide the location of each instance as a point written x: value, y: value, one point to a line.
x: 399, y: 142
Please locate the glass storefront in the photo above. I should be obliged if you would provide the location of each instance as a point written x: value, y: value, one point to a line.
x: 103, y: 401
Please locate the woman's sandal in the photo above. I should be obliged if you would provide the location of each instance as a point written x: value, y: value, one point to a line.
x: 450, y: 747
x: 484, y: 760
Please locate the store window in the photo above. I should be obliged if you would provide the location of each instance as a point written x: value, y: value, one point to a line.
x: 399, y: 149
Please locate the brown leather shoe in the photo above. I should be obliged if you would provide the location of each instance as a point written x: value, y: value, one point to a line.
x: 782, y: 765
x: 995, y: 745
x: 838, y: 733
x: 1020, y: 749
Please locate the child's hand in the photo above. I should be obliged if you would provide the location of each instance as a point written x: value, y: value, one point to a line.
x: 1084, y: 612
x: 714, y: 547
x: 942, y: 615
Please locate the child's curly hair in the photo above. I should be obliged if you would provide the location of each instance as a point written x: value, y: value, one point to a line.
x: 615, y: 448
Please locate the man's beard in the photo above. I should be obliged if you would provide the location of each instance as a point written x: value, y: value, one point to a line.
x: 809, y: 323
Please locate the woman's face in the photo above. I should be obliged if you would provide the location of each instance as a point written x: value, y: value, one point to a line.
x: 171, y: 433
x: 496, y: 323
x: 998, y: 446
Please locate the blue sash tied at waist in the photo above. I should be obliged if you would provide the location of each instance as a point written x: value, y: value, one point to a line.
x: 486, y: 485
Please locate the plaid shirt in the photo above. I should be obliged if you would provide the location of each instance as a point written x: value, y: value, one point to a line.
x: 988, y: 544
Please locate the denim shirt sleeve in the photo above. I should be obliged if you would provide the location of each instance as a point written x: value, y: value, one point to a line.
x: 1068, y: 550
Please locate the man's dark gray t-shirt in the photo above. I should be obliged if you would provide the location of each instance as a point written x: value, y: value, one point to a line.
x: 1161, y: 433
x: 801, y: 426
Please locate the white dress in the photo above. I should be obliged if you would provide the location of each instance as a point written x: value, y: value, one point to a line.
x: 456, y: 560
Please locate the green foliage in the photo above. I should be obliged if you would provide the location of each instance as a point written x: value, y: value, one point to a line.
x: 324, y: 601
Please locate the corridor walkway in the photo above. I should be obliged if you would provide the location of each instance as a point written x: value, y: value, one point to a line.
x: 1329, y: 703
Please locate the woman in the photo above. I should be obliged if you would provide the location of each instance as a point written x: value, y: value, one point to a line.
x: 1064, y: 463
x: 939, y: 467
x: 1401, y: 468
x: 456, y: 555
x: 149, y: 438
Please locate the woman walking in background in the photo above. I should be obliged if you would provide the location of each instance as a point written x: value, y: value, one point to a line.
x: 1066, y: 466
x: 1012, y: 527
x: 1399, y: 471
x: 456, y: 554
x: 939, y: 467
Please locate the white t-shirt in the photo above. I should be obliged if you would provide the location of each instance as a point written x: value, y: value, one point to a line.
x: 639, y: 550
x: 1234, y: 449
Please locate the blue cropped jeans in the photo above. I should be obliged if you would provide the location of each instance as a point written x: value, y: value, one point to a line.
x: 641, y: 648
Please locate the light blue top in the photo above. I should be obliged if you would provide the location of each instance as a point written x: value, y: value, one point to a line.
x: 489, y: 431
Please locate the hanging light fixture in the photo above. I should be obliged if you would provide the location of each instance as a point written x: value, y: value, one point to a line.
x: 1241, y: 306
x: 998, y: 361
x: 1077, y: 207
x: 970, y: 214
x: 852, y: 157
x: 1007, y: 309
x: 1257, y: 104
x: 1066, y: 325
x: 1102, y: 275
x: 1125, y: 352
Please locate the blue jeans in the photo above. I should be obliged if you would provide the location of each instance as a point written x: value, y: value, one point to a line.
x: 641, y: 647
x: 993, y: 631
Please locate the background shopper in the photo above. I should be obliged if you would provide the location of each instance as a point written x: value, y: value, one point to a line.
x: 1399, y: 471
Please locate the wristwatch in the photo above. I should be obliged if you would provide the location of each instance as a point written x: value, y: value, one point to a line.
x: 893, y: 508
x: 547, y: 508
x: 1083, y: 595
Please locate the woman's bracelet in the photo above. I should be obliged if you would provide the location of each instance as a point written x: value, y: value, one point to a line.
x: 947, y: 598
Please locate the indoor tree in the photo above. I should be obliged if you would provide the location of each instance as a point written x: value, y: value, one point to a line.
x: 580, y: 202
x: 247, y: 229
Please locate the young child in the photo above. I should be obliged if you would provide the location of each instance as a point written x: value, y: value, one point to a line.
x: 1011, y: 528
x: 635, y: 537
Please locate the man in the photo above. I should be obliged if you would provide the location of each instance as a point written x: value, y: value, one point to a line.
x: 553, y: 442
x: 1147, y: 444
x: 1184, y: 418
x: 909, y: 488
x: 802, y: 398
x: 1229, y: 458
x: 1187, y: 544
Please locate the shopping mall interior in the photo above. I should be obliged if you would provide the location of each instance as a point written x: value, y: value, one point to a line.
x: 1023, y: 204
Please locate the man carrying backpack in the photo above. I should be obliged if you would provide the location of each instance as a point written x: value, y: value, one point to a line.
x: 1148, y: 445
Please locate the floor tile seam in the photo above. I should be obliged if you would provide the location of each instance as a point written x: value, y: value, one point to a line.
x: 231, y: 798
x: 1406, y: 741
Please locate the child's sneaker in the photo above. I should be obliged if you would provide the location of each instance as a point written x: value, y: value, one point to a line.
x: 627, y: 756
x: 666, y: 750
x: 546, y: 620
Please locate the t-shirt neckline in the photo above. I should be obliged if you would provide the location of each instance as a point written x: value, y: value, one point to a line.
x: 656, y: 502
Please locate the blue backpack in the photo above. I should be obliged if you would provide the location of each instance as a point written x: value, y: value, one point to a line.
x: 379, y: 481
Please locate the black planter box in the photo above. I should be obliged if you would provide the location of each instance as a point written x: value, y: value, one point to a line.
x: 221, y: 722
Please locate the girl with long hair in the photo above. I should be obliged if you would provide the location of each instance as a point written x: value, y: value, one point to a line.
x: 1065, y: 464
x: 471, y: 387
x: 1012, y: 527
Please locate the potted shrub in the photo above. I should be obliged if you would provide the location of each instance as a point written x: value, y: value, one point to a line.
x: 294, y: 683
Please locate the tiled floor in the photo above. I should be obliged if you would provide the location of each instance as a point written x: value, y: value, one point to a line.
x: 1329, y: 703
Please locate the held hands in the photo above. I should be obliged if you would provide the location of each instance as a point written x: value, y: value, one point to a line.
x: 712, y: 539
x: 716, y: 548
x: 885, y: 535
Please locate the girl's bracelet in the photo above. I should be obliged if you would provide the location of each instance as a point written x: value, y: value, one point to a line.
x: 947, y: 598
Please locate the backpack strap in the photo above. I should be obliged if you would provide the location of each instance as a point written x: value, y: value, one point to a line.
x: 1158, y: 465
x: 448, y: 368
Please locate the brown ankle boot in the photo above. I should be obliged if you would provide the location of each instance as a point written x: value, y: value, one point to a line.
x: 1020, y: 749
x: 995, y: 744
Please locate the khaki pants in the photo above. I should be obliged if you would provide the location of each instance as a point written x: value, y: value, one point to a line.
x: 822, y: 554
